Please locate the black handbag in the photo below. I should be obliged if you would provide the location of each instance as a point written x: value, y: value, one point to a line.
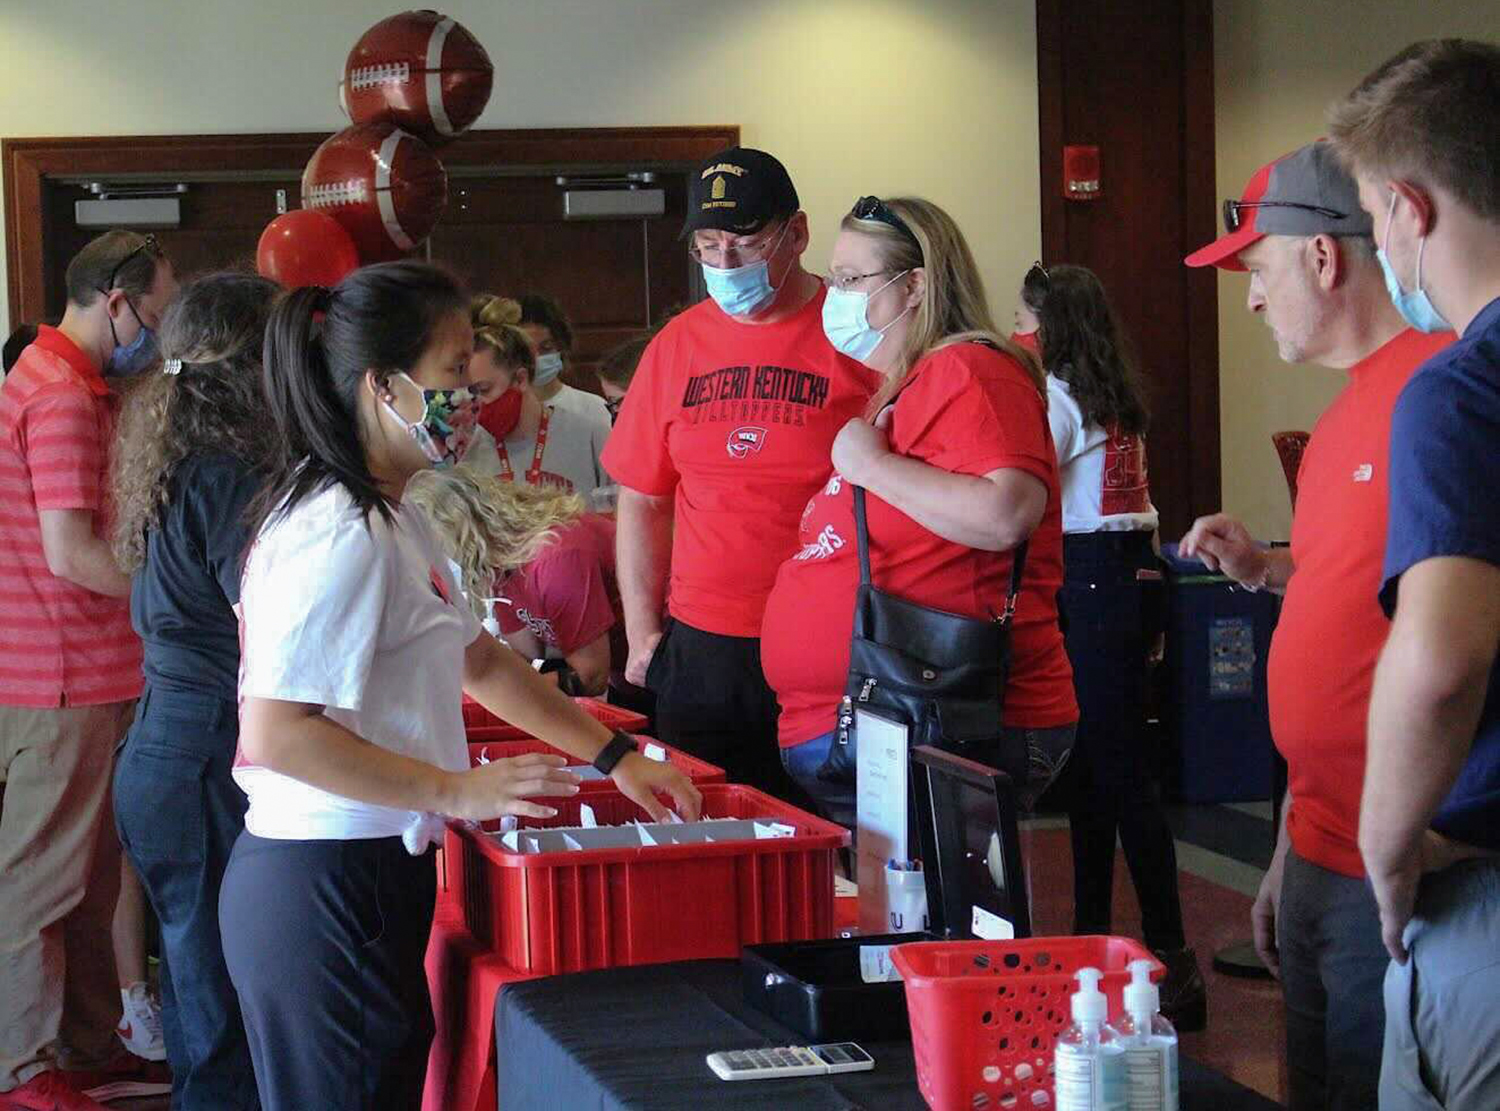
x: 940, y: 674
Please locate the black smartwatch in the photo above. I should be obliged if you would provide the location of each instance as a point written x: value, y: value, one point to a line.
x: 620, y: 745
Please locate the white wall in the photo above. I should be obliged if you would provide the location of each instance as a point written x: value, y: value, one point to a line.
x: 1277, y: 66
x: 855, y: 96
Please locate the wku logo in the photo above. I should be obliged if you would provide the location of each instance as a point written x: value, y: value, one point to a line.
x: 745, y: 440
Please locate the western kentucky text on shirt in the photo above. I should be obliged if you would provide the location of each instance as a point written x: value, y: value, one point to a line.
x: 801, y: 389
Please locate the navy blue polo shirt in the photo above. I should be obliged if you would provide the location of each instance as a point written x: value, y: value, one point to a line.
x: 1445, y: 501
x: 181, y: 598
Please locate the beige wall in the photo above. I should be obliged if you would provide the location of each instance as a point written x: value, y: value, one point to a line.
x: 1278, y: 63
x: 856, y: 96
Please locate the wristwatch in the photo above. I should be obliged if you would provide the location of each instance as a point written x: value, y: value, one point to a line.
x: 620, y: 745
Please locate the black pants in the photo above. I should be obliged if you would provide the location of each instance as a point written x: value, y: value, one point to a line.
x: 325, y: 941
x: 178, y: 814
x: 1110, y: 784
x: 712, y: 702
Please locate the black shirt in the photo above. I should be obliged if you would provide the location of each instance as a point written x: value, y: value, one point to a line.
x: 180, y: 599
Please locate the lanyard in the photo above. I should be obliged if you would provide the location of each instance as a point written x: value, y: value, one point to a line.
x: 533, y: 472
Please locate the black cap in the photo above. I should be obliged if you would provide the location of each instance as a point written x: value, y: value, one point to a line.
x: 739, y: 190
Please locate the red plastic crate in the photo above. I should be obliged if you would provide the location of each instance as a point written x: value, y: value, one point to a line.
x: 481, y: 725
x: 547, y: 913
x: 699, y: 771
x: 985, y: 1015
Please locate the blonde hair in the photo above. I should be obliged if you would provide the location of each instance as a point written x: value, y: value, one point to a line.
x: 953, y: 308
x: 495, y: 321
x: 489, y: 525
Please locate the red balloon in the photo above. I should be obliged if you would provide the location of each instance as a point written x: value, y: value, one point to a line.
x: 385, y: 187
x: 305, y: 248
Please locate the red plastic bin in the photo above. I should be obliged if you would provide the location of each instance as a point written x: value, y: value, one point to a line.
x: 985, y: 1015
x: 547, y: 913
x: 481, y: 725
x: 699, y: 771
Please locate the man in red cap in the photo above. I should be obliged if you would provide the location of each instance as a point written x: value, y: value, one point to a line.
x: 1300, y: 232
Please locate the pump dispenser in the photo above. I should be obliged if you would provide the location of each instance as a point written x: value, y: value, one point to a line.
x: 1089, y: 1062
x: 1150, y: 1045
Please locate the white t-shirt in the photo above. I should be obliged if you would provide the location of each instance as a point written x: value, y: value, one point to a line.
x: 369, y: 624
x: 570, y: 457
x: 1104, y: 484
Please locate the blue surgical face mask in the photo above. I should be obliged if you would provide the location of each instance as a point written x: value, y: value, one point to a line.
x: 138, y: 355
x: 548, y: 367
x: 846, y: 321
x: 740, y: 290
x: 1415, y: 307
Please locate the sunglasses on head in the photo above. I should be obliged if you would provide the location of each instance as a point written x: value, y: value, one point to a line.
x: 148, y: 246
x: 873, y: 208
x: 1037, y: 277
x: 1233, y: 208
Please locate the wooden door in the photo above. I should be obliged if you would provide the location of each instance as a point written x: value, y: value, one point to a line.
x: 1138, y: 83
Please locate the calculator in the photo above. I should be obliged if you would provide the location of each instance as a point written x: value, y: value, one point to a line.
x: 789, y: 1060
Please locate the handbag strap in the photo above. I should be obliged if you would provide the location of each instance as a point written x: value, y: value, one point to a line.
x: 862, y: 538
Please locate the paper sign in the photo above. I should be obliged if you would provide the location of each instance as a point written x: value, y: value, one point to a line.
x: 990, y: 926
x: 875, y: 965
x: 881, y: 796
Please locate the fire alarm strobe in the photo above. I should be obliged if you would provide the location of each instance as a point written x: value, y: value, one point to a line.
x: 1081, y: 177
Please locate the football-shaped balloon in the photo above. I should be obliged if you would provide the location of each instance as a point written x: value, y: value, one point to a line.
x: 418, y: 70
x: 384, y: 186
x: 305, y: 248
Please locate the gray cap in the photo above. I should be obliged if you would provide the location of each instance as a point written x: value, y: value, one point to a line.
x: 1303, y: 193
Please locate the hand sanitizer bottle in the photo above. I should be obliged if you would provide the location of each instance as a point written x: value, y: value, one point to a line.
x: 1089, y: 1062
x: 1150, y: 1045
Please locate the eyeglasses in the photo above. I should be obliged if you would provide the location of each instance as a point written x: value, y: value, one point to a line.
x: 148, y: 246
x: 739, y: 253
x: 846, y: 282
x: 1232, y: 209
x: 873, y: 208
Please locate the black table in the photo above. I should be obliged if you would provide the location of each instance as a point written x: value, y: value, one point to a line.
x: 637, y: 1037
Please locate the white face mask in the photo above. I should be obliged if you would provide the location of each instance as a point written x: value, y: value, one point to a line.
x: 548, y: 367
x: 846, y: 321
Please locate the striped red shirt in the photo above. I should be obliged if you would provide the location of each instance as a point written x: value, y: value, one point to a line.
x: 60, y: 644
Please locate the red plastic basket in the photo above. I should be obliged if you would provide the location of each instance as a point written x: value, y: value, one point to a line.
x: 547, y: 913
x: 481, y: 725
x: 699, y: 771
x: 985, y: 1015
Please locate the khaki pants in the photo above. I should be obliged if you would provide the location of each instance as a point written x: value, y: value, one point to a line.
x: 59, y: 879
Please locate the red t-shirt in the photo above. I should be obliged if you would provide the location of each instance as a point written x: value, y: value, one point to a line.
x: 567, y: 596
x: 737, y: 420
x: 967, y: 409
x: 59, y: 642
x: 1331, y: 630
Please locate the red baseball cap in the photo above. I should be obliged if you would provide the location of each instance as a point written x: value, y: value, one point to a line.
x: 1303, y: 193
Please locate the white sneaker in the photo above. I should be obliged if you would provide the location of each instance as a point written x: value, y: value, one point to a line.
x: 140, y: 1025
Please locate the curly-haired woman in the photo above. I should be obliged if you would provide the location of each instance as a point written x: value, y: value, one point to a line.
x: 192, y: 446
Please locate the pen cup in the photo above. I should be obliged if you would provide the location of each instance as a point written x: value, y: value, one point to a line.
x: 905, y: 900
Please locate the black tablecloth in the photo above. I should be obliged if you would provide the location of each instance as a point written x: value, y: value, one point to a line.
x: 637, y: 1038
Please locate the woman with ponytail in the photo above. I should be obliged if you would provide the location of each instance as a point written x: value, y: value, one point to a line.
x: 193, y: 449
x: 521, y: 437
x: 358, y: 650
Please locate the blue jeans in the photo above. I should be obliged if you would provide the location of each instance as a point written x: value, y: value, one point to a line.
x: 1047, y: 750
x: 178, y: 814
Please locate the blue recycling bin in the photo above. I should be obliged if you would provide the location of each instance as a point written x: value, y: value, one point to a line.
x: 1215, y: 712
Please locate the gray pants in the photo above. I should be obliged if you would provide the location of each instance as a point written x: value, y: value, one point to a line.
x: 1332, y: 966
x: 1442, y: 1032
